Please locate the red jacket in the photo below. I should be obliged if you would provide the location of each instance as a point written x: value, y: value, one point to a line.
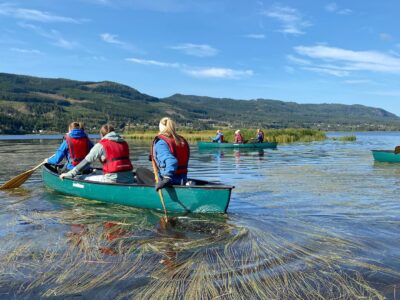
x: 117, y: 157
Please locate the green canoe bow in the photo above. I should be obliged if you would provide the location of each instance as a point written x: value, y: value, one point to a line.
x: 207, y: 145
x: 201, y: 198
x: 386, y: 156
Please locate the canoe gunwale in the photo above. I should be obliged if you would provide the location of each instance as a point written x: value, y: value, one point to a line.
x: 385, y: 151
x: 214, y: 186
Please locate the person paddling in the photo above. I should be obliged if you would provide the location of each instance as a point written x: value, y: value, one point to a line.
x: 219, y: 138
x: 113, y: 153
x: 171, y: 153
x: 238, y: 137
x: 260, y: 136
x: 75, y: 146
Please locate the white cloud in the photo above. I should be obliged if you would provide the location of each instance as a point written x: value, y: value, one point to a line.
x: 292, y: 21
x: 218, y: 73
x: 298, y: 60
x: 347, y: 61
x: 334, y: 72
x: 331, y: 7
x: 114, y: 40
x: 111, y: 38
x: 257, y: 36
x: 334, y: 8
x: 199, y: 50
x: 10, y: 10
x: 210, y: 72
x: 345, y: 11
x: 52, y: 35
x: 153, y: 62
x: 358, y: 81
x: 26, y: 51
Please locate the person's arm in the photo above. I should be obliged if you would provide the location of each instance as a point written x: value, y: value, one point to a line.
x: 167, y: 163
x: 59, y: 154
x: 95, y: 153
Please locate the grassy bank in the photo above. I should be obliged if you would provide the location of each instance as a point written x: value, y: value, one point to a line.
x: 288, y: 135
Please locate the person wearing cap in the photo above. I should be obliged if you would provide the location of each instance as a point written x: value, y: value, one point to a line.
x: 219, y: 138
x: 171, y: 154
x: 238, y: 137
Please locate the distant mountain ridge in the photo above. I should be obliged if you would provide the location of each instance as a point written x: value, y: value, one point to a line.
x: 29, y: 104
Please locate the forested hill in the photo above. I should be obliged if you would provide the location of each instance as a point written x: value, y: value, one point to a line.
x: 30, y: 104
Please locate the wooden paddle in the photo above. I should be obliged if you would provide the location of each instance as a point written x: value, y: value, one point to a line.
x: 165, y: 219
x: 20, y: 179
x: 397, y: 150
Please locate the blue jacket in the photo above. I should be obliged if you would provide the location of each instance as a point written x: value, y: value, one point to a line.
x: 167, y: 163
x: 218, y: 138
x: 63, y: 152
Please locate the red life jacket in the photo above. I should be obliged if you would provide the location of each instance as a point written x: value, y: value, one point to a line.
x: 77, y: 148
x: 222, y: 138
x: 181, y: 153
x: 238, y: 138
x: 117, y: 157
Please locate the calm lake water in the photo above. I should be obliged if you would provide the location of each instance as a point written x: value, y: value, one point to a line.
x: 314, y: 220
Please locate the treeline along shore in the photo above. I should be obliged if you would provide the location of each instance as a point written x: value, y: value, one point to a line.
x: 43, y: 105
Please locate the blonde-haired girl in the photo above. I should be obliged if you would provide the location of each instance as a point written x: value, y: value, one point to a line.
x: 171, y: 153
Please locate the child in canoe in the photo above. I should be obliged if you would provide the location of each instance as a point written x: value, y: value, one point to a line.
x: 75, y: 146
x: 113, y: 153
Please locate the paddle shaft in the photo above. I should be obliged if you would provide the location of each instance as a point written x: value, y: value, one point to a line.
x: 153, y: 162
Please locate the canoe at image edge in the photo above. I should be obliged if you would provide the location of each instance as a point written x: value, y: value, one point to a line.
x: 386, y: 156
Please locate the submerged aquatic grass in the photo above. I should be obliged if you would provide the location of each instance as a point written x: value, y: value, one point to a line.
x: 126, y: 255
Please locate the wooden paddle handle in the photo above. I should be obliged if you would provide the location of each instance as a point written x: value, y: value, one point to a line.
x: 38, y: 166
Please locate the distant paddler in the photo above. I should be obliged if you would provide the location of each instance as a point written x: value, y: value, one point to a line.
x: 113, y: 153
x: 75, y: 146
x: 260, y: 136
x: 238, y: 137
x: 219, y: 138
x: 171, y: 154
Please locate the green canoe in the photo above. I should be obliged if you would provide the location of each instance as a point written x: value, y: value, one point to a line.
x: 203, y: 197
x: 207, y: 145
x: 386, y: 156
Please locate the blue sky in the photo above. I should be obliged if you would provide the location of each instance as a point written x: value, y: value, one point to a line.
x: 303, y: 51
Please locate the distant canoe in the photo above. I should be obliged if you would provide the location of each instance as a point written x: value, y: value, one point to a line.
x: 207, y: 145
x: 386, y: 156
x: 204, y: 197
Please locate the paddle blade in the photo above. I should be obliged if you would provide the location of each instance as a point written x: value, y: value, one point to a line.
x: 397, y: 150
x: 17, y: 181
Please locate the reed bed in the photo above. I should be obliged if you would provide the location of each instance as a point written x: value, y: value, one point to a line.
x: 346, y: 138
x: 127, y: 256
x: 288, y: 135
